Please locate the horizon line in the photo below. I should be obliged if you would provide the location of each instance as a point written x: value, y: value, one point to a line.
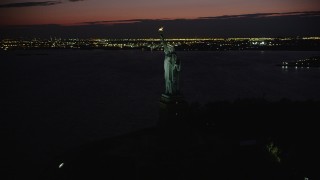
x: 183, y: 38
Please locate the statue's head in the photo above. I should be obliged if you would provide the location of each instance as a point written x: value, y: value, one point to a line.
x: 171, y: 48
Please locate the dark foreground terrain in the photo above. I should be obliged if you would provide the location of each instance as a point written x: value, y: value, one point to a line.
x: 245, y: 139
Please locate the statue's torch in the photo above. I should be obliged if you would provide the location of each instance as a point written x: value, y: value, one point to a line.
x: 160, y: 30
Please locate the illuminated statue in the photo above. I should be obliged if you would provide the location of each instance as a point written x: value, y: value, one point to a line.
x: 172, y: 67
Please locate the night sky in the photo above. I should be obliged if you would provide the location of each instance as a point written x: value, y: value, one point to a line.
x: 139, y: 18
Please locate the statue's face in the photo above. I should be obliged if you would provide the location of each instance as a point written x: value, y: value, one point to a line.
x: 171, y: 48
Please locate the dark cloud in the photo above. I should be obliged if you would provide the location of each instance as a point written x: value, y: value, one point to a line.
x: 247, y: 25
x: 112, y: 22
x: 242, y: 16
x: 128, y: 21
x: 264, y: 15
x: 29, y: 4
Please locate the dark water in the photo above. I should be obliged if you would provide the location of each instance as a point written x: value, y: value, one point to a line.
x: 57, y: 100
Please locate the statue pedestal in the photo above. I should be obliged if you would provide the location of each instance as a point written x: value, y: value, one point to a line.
x: 173, y: 112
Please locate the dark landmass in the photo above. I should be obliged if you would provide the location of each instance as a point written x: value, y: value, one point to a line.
x: 244, y: 139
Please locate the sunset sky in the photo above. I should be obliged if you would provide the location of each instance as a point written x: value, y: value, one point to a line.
x: 108, y: 12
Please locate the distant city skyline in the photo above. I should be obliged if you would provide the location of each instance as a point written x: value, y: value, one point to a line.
x: 182, y: 44
x: 141, y: 18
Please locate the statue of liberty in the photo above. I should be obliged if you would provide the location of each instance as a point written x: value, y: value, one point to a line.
x: 172, y: 66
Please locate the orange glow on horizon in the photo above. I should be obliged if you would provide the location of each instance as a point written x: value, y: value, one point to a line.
x: 70, y: 13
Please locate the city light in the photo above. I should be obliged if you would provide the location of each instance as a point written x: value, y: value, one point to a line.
x: 181, y: 44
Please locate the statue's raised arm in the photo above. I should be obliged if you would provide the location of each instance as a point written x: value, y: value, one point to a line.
x: 163, y: 42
